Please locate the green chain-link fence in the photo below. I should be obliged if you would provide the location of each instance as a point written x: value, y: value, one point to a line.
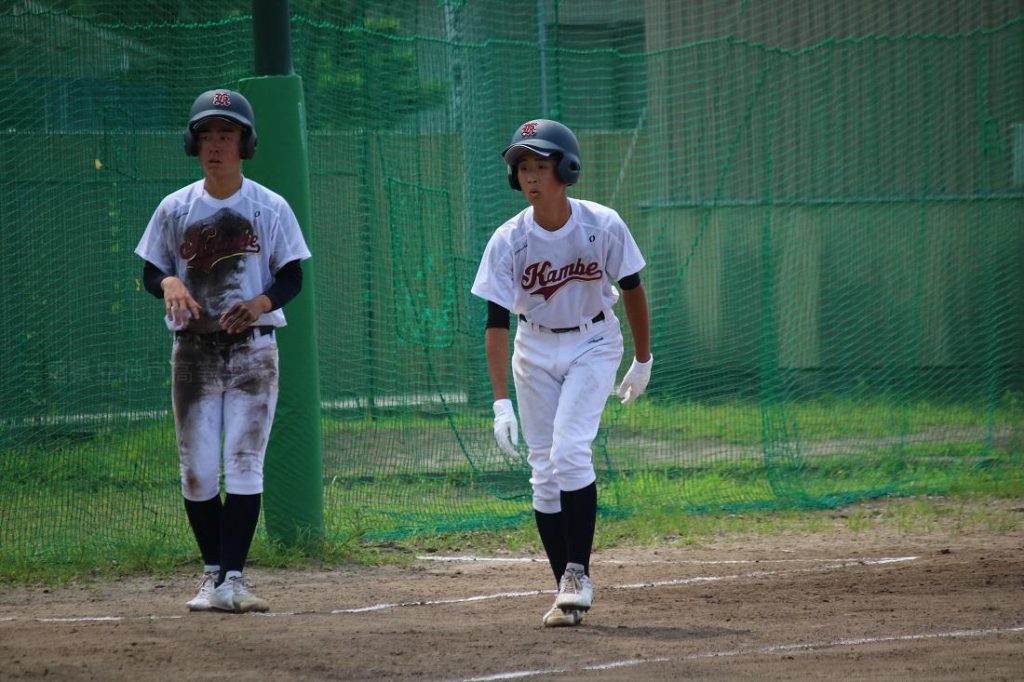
x: 830, y: 197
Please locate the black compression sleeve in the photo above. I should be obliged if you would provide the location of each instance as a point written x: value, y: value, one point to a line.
x: 630, y: 281
x: 287, y: 284
x: 497, y: 316
x: 151, y: 278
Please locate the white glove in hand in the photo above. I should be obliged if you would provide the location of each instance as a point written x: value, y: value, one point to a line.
x: 506, y: 428
x: 635, y: 382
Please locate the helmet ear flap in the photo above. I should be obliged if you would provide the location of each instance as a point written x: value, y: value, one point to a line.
x: 513, y: 178
x: 191, y: 144
x: 569, y: 169
x: 248, y: 144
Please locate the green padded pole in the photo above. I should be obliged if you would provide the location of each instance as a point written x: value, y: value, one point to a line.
x: 293, y: 495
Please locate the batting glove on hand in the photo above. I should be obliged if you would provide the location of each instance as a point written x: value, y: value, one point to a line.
x: 635, y: 382
x: 506, y: 428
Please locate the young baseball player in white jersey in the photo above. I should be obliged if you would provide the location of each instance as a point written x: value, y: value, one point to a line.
x: 554, y: 266
x: 224, y: 254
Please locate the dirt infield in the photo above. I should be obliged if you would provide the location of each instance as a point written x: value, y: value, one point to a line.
x: 865, y: 606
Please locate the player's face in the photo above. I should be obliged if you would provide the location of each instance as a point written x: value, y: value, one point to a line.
x: 538, y: 178
x: 220, y: 147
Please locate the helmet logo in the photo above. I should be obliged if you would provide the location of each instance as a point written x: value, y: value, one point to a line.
x: 529, y: 129
x: 221, y: 99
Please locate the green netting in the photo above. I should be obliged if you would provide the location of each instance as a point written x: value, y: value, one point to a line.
x: 830, y: 196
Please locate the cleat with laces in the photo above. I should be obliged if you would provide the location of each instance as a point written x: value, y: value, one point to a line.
x: 201, y: 602
x: 574, y: 590
x: 233, y: 595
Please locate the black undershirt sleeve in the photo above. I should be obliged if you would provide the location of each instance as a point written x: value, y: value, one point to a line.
x: 630, y: 281
x: 151, y: 278
x: 497, y: 316
x: 287, y: 284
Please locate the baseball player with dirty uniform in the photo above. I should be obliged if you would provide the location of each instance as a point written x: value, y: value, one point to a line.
x: 224, y: 254
x: 554, y: 265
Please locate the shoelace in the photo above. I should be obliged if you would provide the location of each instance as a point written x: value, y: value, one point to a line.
x: 573, y: 584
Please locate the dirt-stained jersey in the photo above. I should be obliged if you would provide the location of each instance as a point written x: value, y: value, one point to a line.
x: 561, y: 278
x: 224, y: 250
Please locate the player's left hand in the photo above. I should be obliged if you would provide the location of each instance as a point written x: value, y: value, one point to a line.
x: 635, y: 382
x: 242, y: 315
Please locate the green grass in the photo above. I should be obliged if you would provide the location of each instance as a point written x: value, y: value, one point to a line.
x: 346, y: 537
x: 744, y: 423
x: 107, y: 503
x: 950, y: 515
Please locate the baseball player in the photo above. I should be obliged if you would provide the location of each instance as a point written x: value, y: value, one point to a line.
x: 554, y: 265
x: 224, y: 254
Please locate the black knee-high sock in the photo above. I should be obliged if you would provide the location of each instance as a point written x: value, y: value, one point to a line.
x: 205, y: 519
x: 552, y: 536
x: 241, y: 514
x: 579, y: 513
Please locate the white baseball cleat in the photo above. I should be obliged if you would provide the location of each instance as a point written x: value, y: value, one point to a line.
x: 201, y: 602
x: 556, y: 617
x: 574, y: 590
x: 233, y: 595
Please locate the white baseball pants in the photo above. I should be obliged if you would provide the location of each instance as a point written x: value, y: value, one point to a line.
x: 224, y: 392
x: 562, y: 384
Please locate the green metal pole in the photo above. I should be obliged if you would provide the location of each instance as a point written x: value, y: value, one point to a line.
x: 293, y: 497
x: 272, y: 38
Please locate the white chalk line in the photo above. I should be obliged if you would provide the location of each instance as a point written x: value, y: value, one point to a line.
x: 756, y: 651
x: 99, y: 619
x: 488, y: 597
x: 628, y: 586
x: 859, y: 641
x: 437, y: 602
x: 700, y: 562
x: 559, y: 671
x: 761, y: 574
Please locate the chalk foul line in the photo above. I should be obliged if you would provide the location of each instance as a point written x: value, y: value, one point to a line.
x: 835, y: 564
x: 753, y: 651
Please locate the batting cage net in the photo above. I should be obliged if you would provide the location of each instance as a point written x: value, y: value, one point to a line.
x: 829, y: 195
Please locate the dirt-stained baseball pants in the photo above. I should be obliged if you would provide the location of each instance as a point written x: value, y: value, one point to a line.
x: 224, y: 390
x: 562, y: 384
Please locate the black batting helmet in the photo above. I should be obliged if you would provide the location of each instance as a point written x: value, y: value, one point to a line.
x: 547, y: 138
x: 226, y: 104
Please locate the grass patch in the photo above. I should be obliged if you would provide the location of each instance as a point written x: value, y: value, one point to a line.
x: 955, y: 515
x: 106, y: 503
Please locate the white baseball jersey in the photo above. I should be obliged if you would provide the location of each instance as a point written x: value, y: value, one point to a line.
x: 225, y: 250
x: 562, y: 278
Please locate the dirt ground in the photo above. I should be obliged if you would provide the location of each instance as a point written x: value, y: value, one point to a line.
x: 871, y: 605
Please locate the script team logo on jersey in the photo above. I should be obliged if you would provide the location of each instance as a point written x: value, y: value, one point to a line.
x: 223, y: 235
x: 542, y: 279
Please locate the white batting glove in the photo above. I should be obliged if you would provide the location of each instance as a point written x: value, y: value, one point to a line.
x: 635, y: 382
x: 506, y: 428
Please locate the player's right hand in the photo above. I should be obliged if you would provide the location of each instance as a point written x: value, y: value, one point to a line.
x: 506, y: 428
x: 178, y: 301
